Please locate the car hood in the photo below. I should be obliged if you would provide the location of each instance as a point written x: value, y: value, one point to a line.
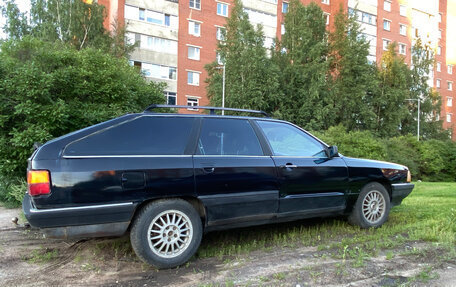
x: 359, y: 162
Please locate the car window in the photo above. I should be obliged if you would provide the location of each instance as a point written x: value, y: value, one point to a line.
x: 142, y: 136
x: 228, y: 137
x: 287, y: 140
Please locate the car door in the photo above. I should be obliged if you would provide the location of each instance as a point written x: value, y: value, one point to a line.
x: 234, y: 179
x: 310, y: 182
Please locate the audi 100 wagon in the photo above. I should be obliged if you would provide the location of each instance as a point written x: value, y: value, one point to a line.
x: 168, y: 178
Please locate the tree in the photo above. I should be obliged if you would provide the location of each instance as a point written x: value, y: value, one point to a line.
x: 354, y: 79
x: 73, y: 22
x: 430, y: 102
x: 50, y: 89
x: 389, y: 101
x: 302, y: 58
x: 251, y: 78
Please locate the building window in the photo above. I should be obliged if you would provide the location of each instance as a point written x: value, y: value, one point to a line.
x: 219, y: 58
x: 171, y: 98
x: 325, y: 2
x: 450, y: 86
x: 282, y: 28
x: 439, y: 50
x: 193, y: 78
x: 403, y: 10
x: 220, y: 32
x: 192, y: 102
x: 195, y: 4
x: 193, y: 53
x: 440, y: 34
x: 386, y: 44
x: 450, y: 69
x: 439, y: 17
x: 448, y: 118
x: 284, y: 7
x: 326, y: 16
x: 437, y: 83
x: 222, y: 9
x: 142, y: 14
x: 403, y: 30
x: 158, y: 71
x: 158, y: 44
x: 402, y: 49
x: 449, y: 102
x: 387, y: 25
x: 194, y: 28
x: 439, y: 67
x: 387, y: 6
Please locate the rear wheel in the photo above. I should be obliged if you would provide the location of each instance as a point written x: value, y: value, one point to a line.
x: 166, y: 233
x: 372, y: 206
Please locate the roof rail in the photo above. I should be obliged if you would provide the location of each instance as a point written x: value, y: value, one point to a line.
x: 212, y: 109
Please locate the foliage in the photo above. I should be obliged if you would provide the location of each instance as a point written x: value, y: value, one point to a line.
x: 353, y: 76
x: 389, y: 101
x: 430, y: 160
x: 430, y: 125
x: 73, y: 22
x: 251, y: 78
x: 301, y: 57
x: 360, y: 144
x: 49, y: 89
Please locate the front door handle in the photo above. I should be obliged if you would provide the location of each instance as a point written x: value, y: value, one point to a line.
x: 289, y: 165
x: 208, y: 169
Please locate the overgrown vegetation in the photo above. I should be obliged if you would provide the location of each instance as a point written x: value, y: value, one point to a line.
x: 60, y: 71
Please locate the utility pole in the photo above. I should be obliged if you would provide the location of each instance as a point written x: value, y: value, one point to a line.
x: 223, y: 87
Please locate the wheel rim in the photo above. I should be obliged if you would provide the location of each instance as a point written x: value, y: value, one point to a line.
x: 374, y: 206
x: 170, y: 233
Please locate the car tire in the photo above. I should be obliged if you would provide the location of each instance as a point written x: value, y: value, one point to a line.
x: 372, y: 206
x: 166, y: 233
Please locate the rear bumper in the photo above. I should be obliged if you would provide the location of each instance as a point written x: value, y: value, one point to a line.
x: 400, y: 191
x: 81, y: 221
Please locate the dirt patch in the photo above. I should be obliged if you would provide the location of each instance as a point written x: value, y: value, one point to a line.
x: 29, y: 259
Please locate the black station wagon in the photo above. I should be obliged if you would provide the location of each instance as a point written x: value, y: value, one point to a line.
x: 167, y: 178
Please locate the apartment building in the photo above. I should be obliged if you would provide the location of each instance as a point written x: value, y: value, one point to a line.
x: 177, y: 38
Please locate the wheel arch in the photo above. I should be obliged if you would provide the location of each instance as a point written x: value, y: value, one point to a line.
x: 195, y: 202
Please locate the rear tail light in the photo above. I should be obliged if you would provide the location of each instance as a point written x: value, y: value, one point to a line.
x: 38, y: 182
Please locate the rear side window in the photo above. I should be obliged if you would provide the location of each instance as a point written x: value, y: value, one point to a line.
x: 228, y: 137
x: 287, y: 140
x: 142, y: 136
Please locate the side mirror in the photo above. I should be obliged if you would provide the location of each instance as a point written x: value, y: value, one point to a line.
x: 331, y: 151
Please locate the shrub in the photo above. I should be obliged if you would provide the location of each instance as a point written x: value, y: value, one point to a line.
x: 49, y: 89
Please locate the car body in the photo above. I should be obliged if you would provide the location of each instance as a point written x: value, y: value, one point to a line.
x: 174, y: 176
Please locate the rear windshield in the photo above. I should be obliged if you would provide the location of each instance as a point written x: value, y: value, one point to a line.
x: 142, y: 136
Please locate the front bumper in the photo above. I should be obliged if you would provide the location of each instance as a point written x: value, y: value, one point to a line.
x: 81, y: 221
x: 399, y: 191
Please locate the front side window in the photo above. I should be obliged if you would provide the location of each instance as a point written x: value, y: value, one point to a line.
x: 228, y: 137
x: 287, y: 140
x: 141, y: 136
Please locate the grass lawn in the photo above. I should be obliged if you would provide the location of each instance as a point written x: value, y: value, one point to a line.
x: 428, y: 214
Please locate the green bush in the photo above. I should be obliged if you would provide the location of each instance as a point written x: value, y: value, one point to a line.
x: 50, y: 89
x: 360, y: 144
x: 429, y: 160
x: 12, y: 191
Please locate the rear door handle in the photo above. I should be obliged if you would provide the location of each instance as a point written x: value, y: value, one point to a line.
x: 289, y: 165
x: 208, y: 169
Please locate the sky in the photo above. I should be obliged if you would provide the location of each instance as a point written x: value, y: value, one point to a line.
x: 24, y: 6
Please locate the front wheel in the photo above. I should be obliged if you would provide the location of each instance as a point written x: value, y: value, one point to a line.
x: 166, y: 233
x: 372, y: 207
